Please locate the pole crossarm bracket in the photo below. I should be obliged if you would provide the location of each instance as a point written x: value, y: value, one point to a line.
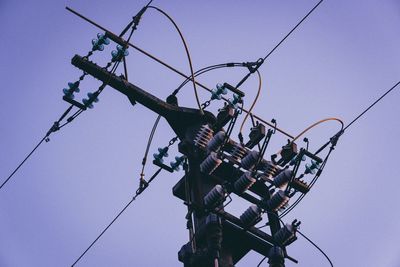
x: 179, y: 118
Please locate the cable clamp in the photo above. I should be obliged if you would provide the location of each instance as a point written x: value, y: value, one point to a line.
x: 335, y: 138
x: 253, y: 66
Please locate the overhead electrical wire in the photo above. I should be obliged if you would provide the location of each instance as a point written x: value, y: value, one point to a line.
x: 194, y: 83
x: 138, y: 192
x: 293, y: 29
x: 57, y: 126
x: 175, y: 92
x: 261, y: 61
x: 187, y: 54
x: 253, y: 104
x: 316, y: 246
x: 373, y: 104
x: 149, y: 141
x: 262, y: 260
x: 315, y: 124
x: 303, y: 235
x: 313, y: 181
x: 193, y: 80
x: 341, y: 132
x: 207, y: 69
x: 173, y: 69
x: 25, y: 159
x: 54, y: 128
x: 199, y: 72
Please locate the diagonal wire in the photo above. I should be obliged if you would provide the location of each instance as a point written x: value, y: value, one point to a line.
x: 105, y: 229
x: 26, y: 158
x: 293, y: 29
x: 317, y: 247
x: 373, y: 104
x: 173, y: 69
x: 138, y: 192
x: 54, y: 128
x: 187, y: 54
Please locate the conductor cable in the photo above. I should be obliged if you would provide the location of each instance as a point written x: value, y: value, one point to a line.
x: 138, y: 192
x: 187, y: 54
x: 252, y: 105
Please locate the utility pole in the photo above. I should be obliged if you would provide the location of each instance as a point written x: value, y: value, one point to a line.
x: 216, y: 167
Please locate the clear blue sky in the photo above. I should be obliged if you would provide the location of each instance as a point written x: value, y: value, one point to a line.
x: 338, y: 62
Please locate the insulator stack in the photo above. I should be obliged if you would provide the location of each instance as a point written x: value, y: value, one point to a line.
x: 215, y: 197
x: 300, y: 186
x: 72, y: 88
x: 238, y: 152
x: 98, y: 44
x: 282, y: 178
x: 277, y: 201
x: 269, y: 168
x: 212, y: 219
x: 251, y: 216
x: 118, y: 54
x: 216, y: 141
x: 178, y: 161
x: 312, y: 168
x: 244, y: 182
x: 162, y: 152
x: 286, y: 235
x: 218, y: 92
x: 234, y: 102
x: 203, y: 136
x: 249, y: 160
x: 210, y: 163
x: 92, y: 98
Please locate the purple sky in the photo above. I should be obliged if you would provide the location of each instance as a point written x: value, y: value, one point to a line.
x: 337, y: 63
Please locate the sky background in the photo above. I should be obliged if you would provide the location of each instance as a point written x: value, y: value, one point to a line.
x: 337, y: 63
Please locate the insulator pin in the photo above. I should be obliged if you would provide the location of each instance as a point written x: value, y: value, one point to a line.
x: 251, y: 216
x: 249, y: 160
x: 216, y: 141
x: 244, y: 182
x: 215, y: 197
x: 203, y: 136
x: 210, y: 163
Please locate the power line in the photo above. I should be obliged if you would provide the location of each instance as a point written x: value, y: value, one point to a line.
x: 317, y: 247
x: 262, y: 260
x: 187, y: 54
x: 373, y: 104
x: 55, y: 127
x: 138, y: 192
x: 26, y: 158
x: 261, y: 60
x: 175, y: 70
x: 293, y: 29
x: 175, y: 92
